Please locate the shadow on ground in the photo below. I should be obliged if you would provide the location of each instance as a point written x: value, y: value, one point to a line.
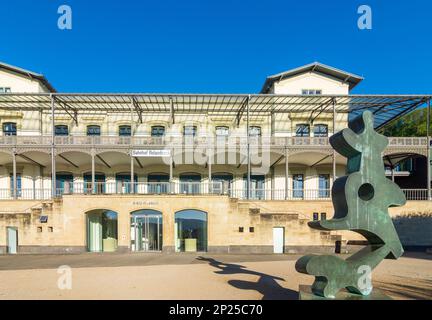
x: 266, y: 284
x: 407, y: 288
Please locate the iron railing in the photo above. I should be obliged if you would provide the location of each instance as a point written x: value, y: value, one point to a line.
x: 185, y: 188
x: 44, y: 140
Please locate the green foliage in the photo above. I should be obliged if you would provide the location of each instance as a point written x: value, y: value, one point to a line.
x: 411, y: 125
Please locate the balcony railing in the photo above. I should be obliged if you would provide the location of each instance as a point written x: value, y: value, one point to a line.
x: 185, y: 188
x: 180, y: 140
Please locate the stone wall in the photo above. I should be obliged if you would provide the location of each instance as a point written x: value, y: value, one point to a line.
x: 65, y: 230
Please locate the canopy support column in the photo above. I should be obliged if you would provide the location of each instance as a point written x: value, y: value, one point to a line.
x: 93, y: 174
x: 14, y: 176
x: 334, y: 131
x: 132, y: 175
x: 171, y: 169
x: 209, y: 163
x: 286, y: 173
x: 248, y: 186
x: 428, y: 150
x: 53, y: 149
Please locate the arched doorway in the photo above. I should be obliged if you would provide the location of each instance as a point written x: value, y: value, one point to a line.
x: 99, y: 187
x: 124, y: 184
x: 102, y: 233
x: 190, y: 183
x: 64, y: 183
x: 190, y: 231
x: 146, y: 230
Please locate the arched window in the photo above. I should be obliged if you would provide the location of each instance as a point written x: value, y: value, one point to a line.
x: 190, y: 231
x: 320, y: 130
x: 157, y: 131
x: 222, y: 131
x: 93, y: 130
x: 190, y: 131
x: 146, y: 230
x: 221, y: 182
x: 255, y: 131
x: 61, y: 130
x: 102, y: 231
x: 302, y: 130
x: 9, y: 129
x: 125, y: 131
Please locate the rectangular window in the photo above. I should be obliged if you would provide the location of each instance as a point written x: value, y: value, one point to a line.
x: 189, y: 131
x: 302, y: 130
x: 125, y: 131
x: 323, y: 216
x: 5, y: 90
x: 9, y: 129
x: 93, y: 131
x: 61, y: 130
x: 311, y: 92
x: 298, y: 186
x: 157, y: 131
x: 320, y: 130
x: 315, y: 216
x: 324, y: 186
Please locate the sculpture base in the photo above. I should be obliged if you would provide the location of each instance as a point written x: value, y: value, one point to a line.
x: 305, y: 293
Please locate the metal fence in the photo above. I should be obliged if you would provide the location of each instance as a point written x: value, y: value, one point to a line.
x: 168, y: 140
x: 186, y: 188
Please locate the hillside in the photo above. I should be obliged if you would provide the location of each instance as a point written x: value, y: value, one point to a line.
x: 411, y: 125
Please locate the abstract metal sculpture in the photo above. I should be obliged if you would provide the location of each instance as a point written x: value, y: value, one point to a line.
x: 361, y: 201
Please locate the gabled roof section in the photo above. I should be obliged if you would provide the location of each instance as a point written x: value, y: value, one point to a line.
x: 317, y: 67
x: 29, y: 74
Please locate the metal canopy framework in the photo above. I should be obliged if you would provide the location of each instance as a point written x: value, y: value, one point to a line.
x: 232, y: 107
x: 386, y: 108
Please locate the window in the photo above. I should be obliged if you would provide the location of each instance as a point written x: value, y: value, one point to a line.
x: 93, y: 130
x: 158, y: 183
x: 9, y: 129
x: 298, y: 186
x: 189, y: 131
x: 241, y: 229
x: 190, y: 183
x: 254, y: 131
x: 222, y: 131
x: 191, y: 231
x: 5, y: 90
x: 302, y: 130
x: 125, y: 131
x: 324, y: 186
x: 323, y: 216
x: 315, y: 216
x: 61, y: 130
x: 157, y: 131
x: 311, y: 92
x: 405, y: 165
x: 320, y: 130
x: 257, y: 186
x: 18, y: 184
x: 251, y: 229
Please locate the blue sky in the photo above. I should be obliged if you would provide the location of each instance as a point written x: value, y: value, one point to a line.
x: 218, y: 46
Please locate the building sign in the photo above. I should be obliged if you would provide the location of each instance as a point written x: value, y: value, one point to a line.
x: 151, y: 153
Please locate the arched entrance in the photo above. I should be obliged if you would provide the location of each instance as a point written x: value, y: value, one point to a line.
x: 102, y: 233
x: 146, y: 230
x: 190, y: 231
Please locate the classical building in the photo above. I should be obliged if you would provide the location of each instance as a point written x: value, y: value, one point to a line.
x: 187, y: 172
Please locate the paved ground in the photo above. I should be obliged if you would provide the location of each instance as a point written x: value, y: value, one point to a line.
x: 189, y: 276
